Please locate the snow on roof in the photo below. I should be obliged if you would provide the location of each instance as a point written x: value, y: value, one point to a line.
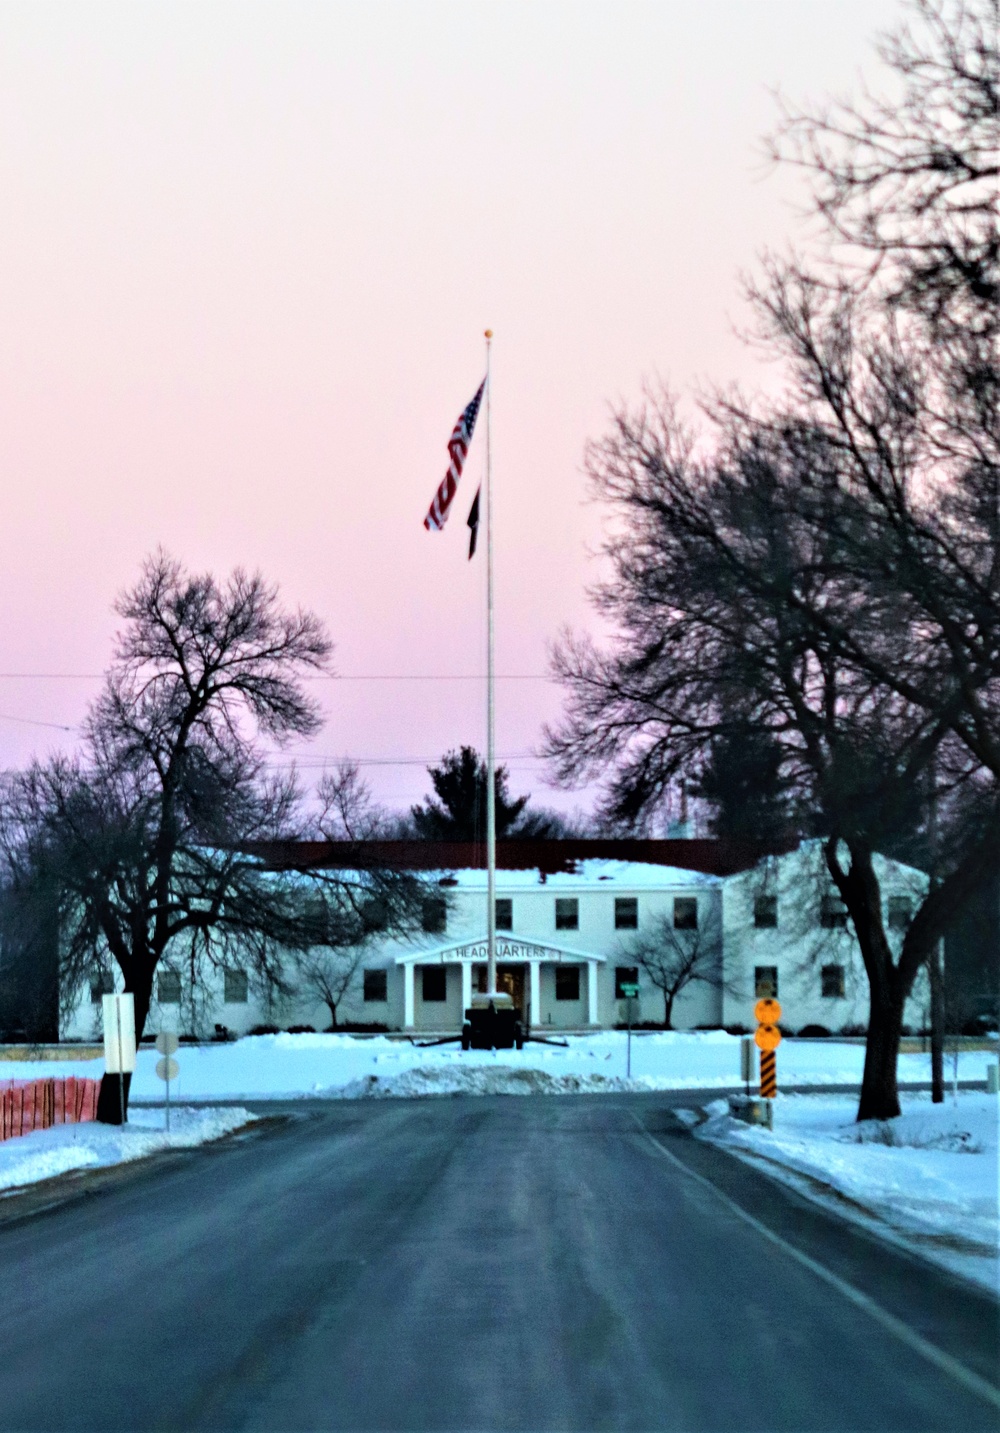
x: 596, y: 875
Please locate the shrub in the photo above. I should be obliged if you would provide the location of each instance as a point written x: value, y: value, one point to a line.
x: 736, y: 1030
x: 813, y: 1032
x: 302, y: 1029
x: 264, y: 1030
x: 357, y: 1027
x: 854, y: 1030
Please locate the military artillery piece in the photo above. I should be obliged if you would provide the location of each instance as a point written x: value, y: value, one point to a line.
x: 493, y: 1022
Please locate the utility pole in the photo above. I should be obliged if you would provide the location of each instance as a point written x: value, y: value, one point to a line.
x: 935, y: 962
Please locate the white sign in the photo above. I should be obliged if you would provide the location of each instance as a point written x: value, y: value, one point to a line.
x: 119, y: 1034
x: 511, y: 950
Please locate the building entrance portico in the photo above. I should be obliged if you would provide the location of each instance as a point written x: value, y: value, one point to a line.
x: 519, y: 967
x: 510, y: 978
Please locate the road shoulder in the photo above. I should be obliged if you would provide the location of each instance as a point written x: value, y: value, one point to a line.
x: 958, y: 1318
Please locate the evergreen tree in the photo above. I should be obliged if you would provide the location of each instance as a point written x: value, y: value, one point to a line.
x: 459, y: 813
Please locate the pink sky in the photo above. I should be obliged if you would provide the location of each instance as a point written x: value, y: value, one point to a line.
x: 247, y: 257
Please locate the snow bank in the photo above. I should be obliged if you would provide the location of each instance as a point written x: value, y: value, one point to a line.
x: 48, y: 1152
x: 286, y: 1066
x: 928, y: 1178
x: 498, y: 1079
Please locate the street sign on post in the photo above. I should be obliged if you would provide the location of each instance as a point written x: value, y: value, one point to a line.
x: 167, y: 1069
x: 119, y: 1039
x: 767, y: 1039
x: 630, y: 990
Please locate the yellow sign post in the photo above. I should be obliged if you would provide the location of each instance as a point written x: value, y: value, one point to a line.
x: 767, y: 1039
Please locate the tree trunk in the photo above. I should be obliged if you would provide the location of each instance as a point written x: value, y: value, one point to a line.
x: 114, y: 1092
x: 110, y: 1098
x: 668, y: 1011
x: 937, y: 1024
x: 879, y: 1090
x: 887, y: 988
x: 332, y: 1007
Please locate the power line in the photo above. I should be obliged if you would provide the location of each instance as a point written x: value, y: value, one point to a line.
x: 33, y: 721
x: 322, y: 760
x: 312, y: 677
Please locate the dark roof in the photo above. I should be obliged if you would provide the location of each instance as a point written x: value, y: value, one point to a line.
x: 713, y: 857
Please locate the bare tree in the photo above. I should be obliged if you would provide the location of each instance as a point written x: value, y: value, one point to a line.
x: 906, y: 185
x: 347, y: 809
x: 674, y: 959
x: 729, y: 596
x: 140, y: 842
x: 829, y: 575
x: 327, y: 973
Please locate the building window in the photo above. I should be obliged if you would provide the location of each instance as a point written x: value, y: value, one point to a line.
x: 832, y: 977
x: 900, y: 912
x: 376, y: 984
x: 103, y: 983
x: 567, y: 918
x: 568, y: 981
x: 374, y: 915
x: 168, y: 987
x: 435, y: 982
x: 625, y: 975
x: 765, y: 982
x: 435, y: 915
x: 833, y: 913
x: 685, y: 913
x: 626, y: 913
x: 505, y: 913
x: 765, y: 912
x: 237, y: 987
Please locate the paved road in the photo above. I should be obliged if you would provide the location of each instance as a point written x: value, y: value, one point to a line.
x: 535, y: 1263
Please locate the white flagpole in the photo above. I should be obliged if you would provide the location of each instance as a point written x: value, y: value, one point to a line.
x: 491, y: 832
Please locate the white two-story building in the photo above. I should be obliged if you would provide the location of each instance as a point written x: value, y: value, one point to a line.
x: 571, y: 917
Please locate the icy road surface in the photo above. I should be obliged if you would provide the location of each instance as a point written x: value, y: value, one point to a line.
x: 488, y: 1263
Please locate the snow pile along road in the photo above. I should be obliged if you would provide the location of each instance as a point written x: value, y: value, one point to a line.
x: 928, y: 1179
x: 496, y: 1079
x: 48, y: 1152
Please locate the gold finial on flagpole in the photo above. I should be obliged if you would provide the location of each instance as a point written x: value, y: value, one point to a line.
x: 489, y: 333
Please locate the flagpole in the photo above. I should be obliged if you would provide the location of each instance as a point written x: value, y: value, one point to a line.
x: 491, y: 831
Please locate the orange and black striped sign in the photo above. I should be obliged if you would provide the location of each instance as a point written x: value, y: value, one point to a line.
x: 768, y: 1074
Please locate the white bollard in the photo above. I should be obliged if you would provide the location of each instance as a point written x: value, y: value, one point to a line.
x: 993, y: 1079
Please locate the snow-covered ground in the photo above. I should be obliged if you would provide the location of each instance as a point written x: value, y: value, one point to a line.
x: 928, y: 1179
x: 47, y: 1152
x: 288, y: 1066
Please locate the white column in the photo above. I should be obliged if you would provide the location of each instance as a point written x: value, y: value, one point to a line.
x: 535, y: 993
x: 591, y: 992
x: 408, y: 1020
x: 466, y: 985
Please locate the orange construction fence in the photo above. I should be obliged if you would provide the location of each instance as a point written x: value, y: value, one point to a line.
x: 26, y: 1105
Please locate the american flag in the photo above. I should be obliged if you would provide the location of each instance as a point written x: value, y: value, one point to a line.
x: 458, y: 447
